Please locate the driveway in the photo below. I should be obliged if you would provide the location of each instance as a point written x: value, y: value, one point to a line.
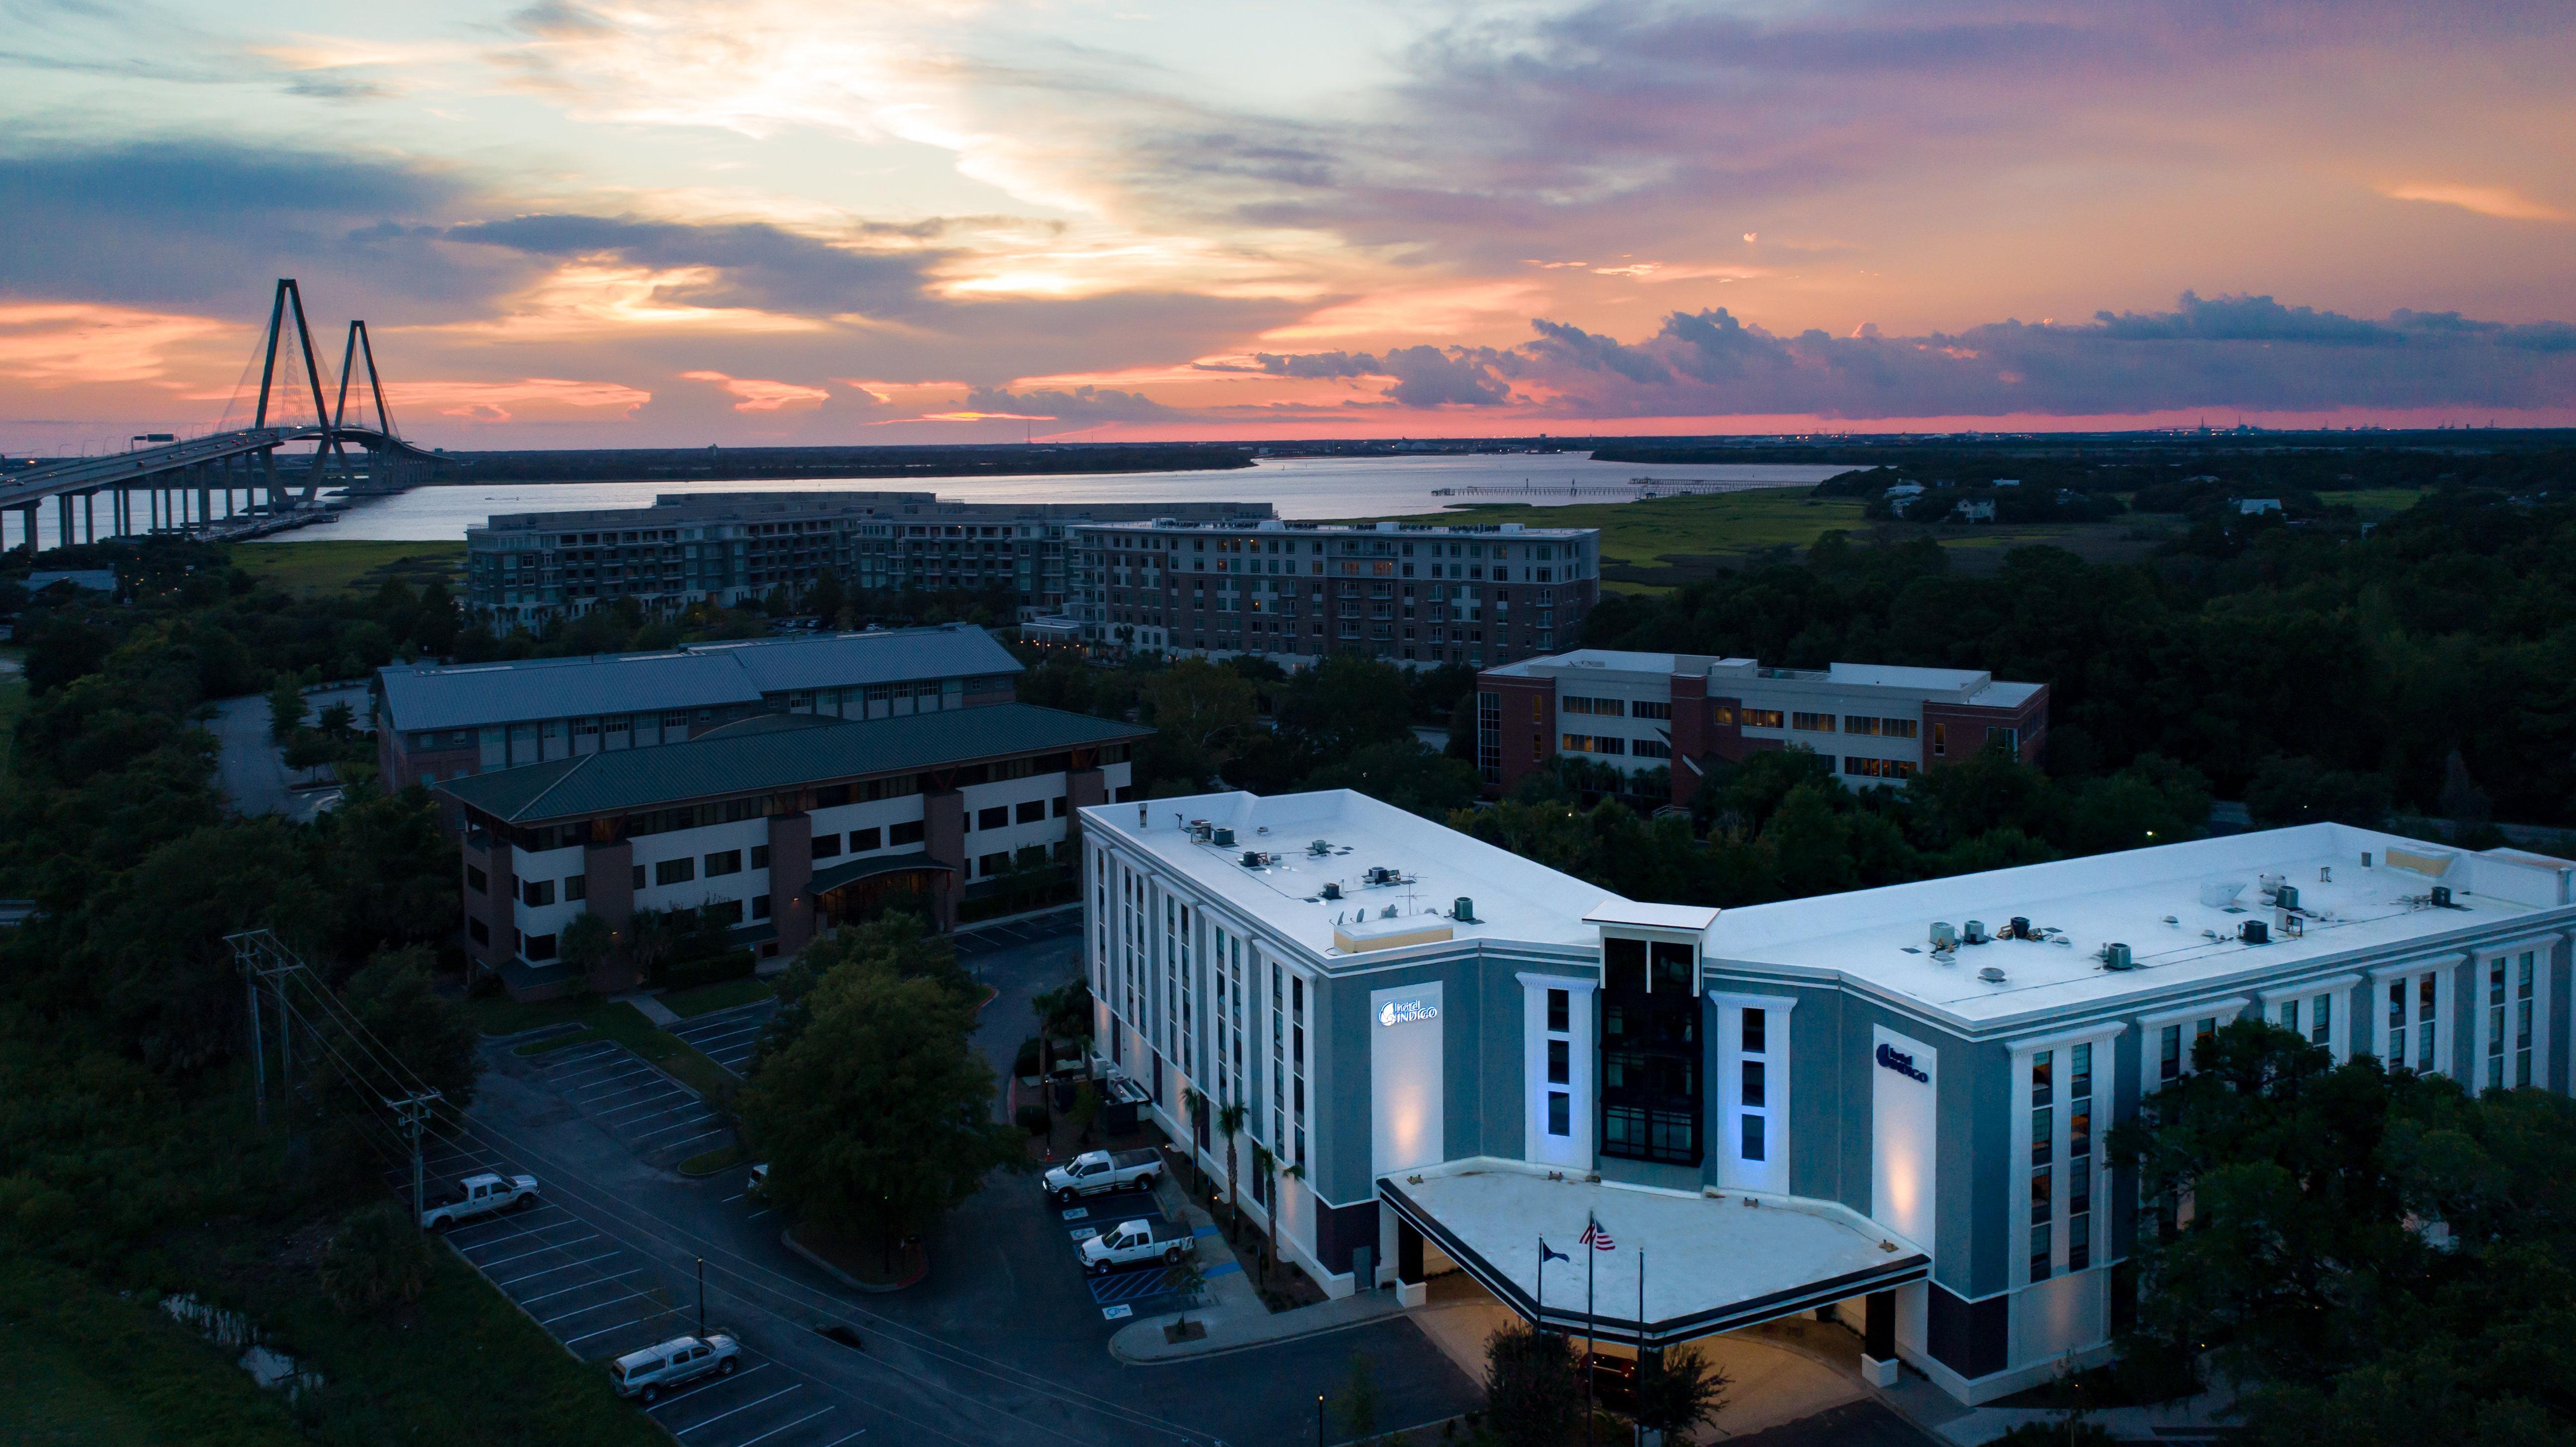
x: 252, y: 770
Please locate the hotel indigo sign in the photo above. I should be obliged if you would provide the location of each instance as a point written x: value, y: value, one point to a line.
x: 1406, y: 1012
x: 1891, y: 1058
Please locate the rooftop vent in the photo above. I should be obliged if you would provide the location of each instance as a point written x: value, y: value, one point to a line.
x: 2221, y: 894
x: 2018, y: 929
x: 2254, y: 932
x: 2117, y: 957
x: 1991, y: 975
x: 1254, y: 859
x: 1320, y: 847
x: 1974, y: 933
x: 1332, y: 890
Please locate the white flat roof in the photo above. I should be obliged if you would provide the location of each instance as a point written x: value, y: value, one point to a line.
x: 1514, y: 898
x: 1712, y: 1263
x: 1881, y: 937
x: 1653, y: 916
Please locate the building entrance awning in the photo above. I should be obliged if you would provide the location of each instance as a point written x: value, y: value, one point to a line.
x: 1712, y: 1263
x: 872, y: 867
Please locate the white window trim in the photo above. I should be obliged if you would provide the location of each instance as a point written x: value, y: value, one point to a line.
x: 1725, y: 1133
x: 2151, y: 1030
x: 2445, y: 970
x: 1575, y: 1148
x: 2097, y: 1219
x: 2338, y: 1031
x: 2545, y: 949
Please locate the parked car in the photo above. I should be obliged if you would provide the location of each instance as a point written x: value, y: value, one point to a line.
x: 1614, y: 1380
x: 757, y: 1187
x: 1136, y: 1243
x: 1095, y: 1171
x: 655, y: 1370
x: 478, y: 1196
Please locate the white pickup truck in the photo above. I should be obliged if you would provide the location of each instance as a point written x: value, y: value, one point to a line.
x: 478, y: 1196
x: 1095, y: 1171
x: 1136, y: 1243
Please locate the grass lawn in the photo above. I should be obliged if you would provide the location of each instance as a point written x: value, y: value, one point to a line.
x: 87, y: 1368
x: 1640, y: 534
x: 707, y: 1163
x: 312, y: 569
x: 615, y: 1020
x: 722, y: 995
x: 553, y: 1043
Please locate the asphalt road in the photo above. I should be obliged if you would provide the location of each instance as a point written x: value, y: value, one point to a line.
x: 1005, y: 1343
x: 250, y: 768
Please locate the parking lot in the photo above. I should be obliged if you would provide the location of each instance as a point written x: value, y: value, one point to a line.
x: 1132, y: 1291
x: 988, y: 939
x: 602, y: 1299
x: 662, y: 1121
x: 727, y: 1036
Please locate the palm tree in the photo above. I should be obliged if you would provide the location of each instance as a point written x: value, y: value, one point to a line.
x: 1229, y: 1121
x: 1194, y: 1112
x: 1266, y: 1166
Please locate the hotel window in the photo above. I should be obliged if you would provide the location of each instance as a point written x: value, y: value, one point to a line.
x: 1559, y: 1010
x: 863, y: 840
x: 1650, y: 1087
x: 1814, y: 723
x: 1860, y: 724
x: 1762, y: 718
x: 2506, y: 1023
x: 1560, y: 1062
x: 2079, y: 1158
x: 1650, y: 710
x: 2414, y: 1021
x: 1897, y: 728
x: 1560, y: 1113
x: 675, y: 871
x: 1940, y: 741
x: 724, y: 861
x: 1297, y: 1061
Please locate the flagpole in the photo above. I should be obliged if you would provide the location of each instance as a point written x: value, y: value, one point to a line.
x: 1641, y: 1334
x: 1591, y: 1343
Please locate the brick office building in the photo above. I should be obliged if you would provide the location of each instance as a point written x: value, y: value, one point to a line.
x: 1295, y: 592
x: 1643, y: 711
x: 787, y: 823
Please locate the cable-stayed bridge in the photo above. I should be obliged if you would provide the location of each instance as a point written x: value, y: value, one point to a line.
x: 201, y: 482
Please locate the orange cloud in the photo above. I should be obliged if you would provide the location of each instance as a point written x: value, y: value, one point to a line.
x: 51, y: 344
x: 760, y: 394
x: 1440, y: 312
x: 527, y: 399
x: 2501, y: 202
x: 982, y: 417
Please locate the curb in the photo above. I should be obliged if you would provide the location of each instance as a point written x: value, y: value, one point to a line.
x: 1224, y: 1351
x: 538, y: 1032
x: 788, y: 1239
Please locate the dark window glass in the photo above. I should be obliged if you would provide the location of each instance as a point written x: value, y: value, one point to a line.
x: 905, y: 833
x: 675, y: 871
x: 1755, y: 1029
x: 1623, y: 965
x: 827, y: 845
x: 540, y: 947
x: 1032, y: 812
x: 997, y: 817
x: 477, y: 880
x: 760, y: 856
x: 724, y: 861
x: 1753, y: 1137
x: 1560, y: 1062
x: 863, y: 840
x: 1560, y: 1113
x: 1753, y: 1083
x: 1559, y: 1009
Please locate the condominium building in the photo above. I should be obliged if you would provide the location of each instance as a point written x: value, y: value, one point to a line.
x: 786, y: 824
x: 1294, y: 592
x: 436, y: 722
x: 1640, y: 712
x: 1889, y: 1105
x: 526, y: 569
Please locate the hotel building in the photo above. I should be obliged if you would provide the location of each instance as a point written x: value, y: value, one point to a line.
x: 1295, y: 592
x: 1642, y: 711
x: 1889, y: 1105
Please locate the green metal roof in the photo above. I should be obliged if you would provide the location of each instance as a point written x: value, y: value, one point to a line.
x: 739, y: 761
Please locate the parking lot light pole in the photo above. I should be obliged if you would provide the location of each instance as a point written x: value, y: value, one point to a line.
x: 1319, y: 1419
x: 702, y: 1296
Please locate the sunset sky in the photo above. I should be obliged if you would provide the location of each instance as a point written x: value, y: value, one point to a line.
x: 646, y: 222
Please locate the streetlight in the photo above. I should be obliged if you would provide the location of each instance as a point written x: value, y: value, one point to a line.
x: 702, y: 1296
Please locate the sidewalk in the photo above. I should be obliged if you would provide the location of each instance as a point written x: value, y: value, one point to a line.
x: 649, y: 1007
x: 1234, y: 1315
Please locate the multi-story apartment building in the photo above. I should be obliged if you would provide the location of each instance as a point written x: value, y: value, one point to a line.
x: 1889, y: 1104
x: 438, y: 722
x: 785, y: 823
x: 1294, y: 592
x: 1644, y: 711
x: 525, y: 569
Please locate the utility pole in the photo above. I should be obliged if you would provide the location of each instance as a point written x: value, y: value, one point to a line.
x: 261, y: 957
x: 258, y: 1053
x: 413, y: 1112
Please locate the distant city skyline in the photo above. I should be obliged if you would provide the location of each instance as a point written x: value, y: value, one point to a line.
x: 781, y: 221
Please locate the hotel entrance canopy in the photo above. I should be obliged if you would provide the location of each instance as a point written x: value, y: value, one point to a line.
x: 1712, y: 1263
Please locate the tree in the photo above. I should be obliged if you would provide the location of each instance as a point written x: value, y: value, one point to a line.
x: 1532, y: 1396
x: 337, y: 722
x: 2299, y: 790
x: 433, y: 1037
x: 1678, y: 1391
x: 651, y: 935
x: 378, y: 1255
x: 1405, y: 773
x: 1356, y: 1404
x: 1064, y: 1012
x: 1202, y: 714
x: 585, y: 943
x: 1229, y: 1123
x: 286, y: 708
x: 877, y: 1118
x: 2371, y: 1256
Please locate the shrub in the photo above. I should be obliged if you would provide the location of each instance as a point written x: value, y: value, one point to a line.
x: 378, y: 1256
x: 1033, y: 1119
x: 708, y: 970
x: 1028, y: 1061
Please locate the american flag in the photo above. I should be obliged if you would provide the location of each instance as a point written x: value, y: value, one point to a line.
x: 1597, y: 1236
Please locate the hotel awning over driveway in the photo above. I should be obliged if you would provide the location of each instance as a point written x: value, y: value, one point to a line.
x: 1712, y: 1264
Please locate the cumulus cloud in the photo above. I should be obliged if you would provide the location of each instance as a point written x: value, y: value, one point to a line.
x: 2247, y: 352
x: 751, y: 265
x: 762, y: 394
x: 1078, y: 406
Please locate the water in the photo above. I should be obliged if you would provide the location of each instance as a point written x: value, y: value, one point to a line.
x: 1299, y: 487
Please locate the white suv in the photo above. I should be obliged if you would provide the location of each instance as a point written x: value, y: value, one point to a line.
x: 655, y: 1370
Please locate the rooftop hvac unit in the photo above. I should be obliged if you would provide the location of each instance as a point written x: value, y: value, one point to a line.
x: 2441, y: 896
x: 1945, y: 936
x: 1225, y: 839
x: 2117, y: 957
x: 1332, y: 890
x: 1254, y: 859
x: 2287, y: 896
x: 1974, y: 933
x: 2018, y: 929
x: 2255, y: 932
x: 1320, y: 847
x: 1464, y: 911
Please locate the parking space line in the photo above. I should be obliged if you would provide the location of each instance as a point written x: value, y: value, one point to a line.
x: 593, y: 1054
x: 551, y: 1270
x: 540, y: 1251
x: 537, y: 1210
x: 702, y: 1386
x: 594, y: 1306
x: 698, y: 1040
x: 605, y: 1330
x: 565, y: 1291
x: 837, y: 1441
x: 774, y: 1431
x: 679, y: 1125
x: 745, y: 1407
x: 603, y: 1089
x: 693, y: 1140
x: 621, y: 1059
x: 686, y: 1101
x: 626, y: 1069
